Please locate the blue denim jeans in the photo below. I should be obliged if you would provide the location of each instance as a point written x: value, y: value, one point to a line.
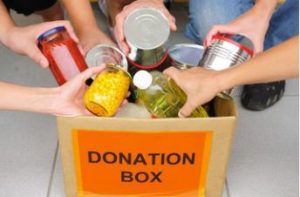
x: 203, y: 14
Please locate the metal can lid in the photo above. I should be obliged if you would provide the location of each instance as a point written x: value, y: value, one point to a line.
x: 186, y: 54
x: 146, y: 28
x: 50, y: 32
x: 106, y: 54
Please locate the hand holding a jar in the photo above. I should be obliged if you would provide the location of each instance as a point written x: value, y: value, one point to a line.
x: 23, y: 40
x: 121, y: 17
x: 253, y: 24
x: 66, y: 100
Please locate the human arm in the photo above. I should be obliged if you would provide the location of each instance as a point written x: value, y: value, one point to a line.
x: 23, y: 40
x: 121, y: 17
x: 201, y: 85
x: 64, y: 100
x: 84, y: 22
x: 253, y: 24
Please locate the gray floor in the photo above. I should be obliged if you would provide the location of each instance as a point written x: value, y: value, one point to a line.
x: 264, y: 161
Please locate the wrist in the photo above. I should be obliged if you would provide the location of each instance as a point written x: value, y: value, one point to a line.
x: 224, y: 80
x: 5, y: 33
x: 265, y: 8
x: 45, y: 100
x: 92, y: 30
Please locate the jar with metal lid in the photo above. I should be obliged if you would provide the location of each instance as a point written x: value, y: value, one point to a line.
x: 108, y: 90
x: 146, y: 31
x: 63, y: 54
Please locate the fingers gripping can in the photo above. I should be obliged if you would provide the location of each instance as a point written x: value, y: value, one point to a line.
x: 226, y: 51
x: 107, y: 91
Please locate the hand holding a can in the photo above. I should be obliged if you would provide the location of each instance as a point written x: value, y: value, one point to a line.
x: 253, y: 24
x: 121, y: 17
x: 23, y: 40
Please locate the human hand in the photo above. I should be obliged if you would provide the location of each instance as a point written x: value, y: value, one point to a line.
x: 23, y: 40
x: 68, y: 99
x: 93, y: 37
x: 200, y: 85
x: 253, y: 24
x: 121, y: 17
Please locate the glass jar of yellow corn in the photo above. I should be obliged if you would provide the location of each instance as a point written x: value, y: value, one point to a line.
x: 108, y: 91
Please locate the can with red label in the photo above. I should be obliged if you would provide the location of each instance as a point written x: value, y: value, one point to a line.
x: 63, y: 54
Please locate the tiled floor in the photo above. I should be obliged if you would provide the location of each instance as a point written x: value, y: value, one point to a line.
x: 264, y: 161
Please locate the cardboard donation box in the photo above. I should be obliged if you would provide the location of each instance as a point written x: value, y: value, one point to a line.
x: 126, y: 156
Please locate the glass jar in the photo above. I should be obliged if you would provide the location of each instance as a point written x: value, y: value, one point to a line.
x: 63, y: 54
x: 108, y: 90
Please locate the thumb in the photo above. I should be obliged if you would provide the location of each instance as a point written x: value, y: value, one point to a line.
x: 36, y: 55
x: 187, y: 108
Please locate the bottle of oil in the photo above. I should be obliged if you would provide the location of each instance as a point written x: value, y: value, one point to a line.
x: 161, y: 95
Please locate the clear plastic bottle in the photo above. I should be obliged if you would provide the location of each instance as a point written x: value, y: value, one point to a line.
x: 161, y: 95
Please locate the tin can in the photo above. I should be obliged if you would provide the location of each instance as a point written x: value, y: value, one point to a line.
x: 107, y: 91
x: 105, y: 54
x: 146, y: 31
x: 226, y: 51
x: 186, y: 56
x: 63, y: 54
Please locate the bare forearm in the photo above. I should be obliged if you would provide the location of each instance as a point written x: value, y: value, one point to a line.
x: 6, y: 21
x: 278, y: 63
x: 265, y: 8
x: 21, y: 98
x: 81, y: 15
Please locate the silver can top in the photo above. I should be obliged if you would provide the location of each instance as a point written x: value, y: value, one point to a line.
x: 146, y: 28
x: 105, y: 54
x: 186, y: 55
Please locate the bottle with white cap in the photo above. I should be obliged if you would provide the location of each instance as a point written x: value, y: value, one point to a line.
x: 161, y: 95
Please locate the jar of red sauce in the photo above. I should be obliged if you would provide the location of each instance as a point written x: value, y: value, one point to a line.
x: 63, y: 54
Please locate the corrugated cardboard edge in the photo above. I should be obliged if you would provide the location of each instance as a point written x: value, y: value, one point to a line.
x: 223, y: 128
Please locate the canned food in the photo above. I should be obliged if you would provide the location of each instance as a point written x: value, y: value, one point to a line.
x: 65, y: 59
x: 107, y: 91
x: 146, y: 31
x: 105, y: 54
x: 186, y: 56
x: 226, y: 51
